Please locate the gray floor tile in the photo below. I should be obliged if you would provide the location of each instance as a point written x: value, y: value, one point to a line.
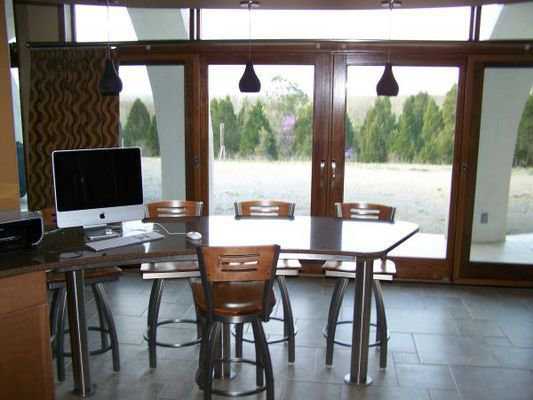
x: 453, y: 350
x: 438, y: 332
x: 425, y: 376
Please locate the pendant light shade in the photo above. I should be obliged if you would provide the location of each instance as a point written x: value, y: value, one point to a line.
x: 249, y: 82
x: 387, y: 85
x: 110, y: 84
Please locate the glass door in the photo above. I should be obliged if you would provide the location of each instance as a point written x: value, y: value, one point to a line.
x: 265, y: 145
x: 499, y: 238
x: 399, y: 151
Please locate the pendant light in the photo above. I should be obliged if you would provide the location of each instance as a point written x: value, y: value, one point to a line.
x: 387, y: 85
x: 249, y: 82
x: 110, y: 83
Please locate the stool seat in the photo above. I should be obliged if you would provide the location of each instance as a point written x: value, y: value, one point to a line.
x: 233, y: 298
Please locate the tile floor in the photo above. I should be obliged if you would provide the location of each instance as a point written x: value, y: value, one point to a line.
x: 447, y: 343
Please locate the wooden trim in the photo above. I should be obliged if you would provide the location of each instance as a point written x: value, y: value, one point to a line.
x: 61, y: 25
x: 421, y: 269
x: 322, y: 119
x: 338, y: 133
x: 466, y: 271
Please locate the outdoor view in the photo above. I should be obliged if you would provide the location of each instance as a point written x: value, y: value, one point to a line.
x: 399, y: 150
x: 261, y: 142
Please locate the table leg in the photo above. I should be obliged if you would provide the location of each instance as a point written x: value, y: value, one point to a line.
x: 78, y: 333
x: 361, y: 323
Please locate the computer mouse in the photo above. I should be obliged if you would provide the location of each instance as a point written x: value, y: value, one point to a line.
x: 193, y: 235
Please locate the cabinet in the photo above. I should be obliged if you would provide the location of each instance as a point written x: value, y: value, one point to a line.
x: 25, y: 354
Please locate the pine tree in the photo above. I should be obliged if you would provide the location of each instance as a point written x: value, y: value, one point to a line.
x: 153, y: 138
x: 431, y: 128
x: 250, y: 135
x: 303, y: 133
x: 268, y: 148
x: 407, y: 141
x: 222, y: 111
x: 524, y: 140
x: 376, y: 131
x: 137, y: 126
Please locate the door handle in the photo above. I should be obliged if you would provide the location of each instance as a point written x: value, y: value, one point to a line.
x: 322, y: 167
x: 333, y: 170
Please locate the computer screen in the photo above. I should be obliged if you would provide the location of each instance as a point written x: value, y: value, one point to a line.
x: 97, y: 186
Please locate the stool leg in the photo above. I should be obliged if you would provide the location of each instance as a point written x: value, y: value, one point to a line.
x: 54, y: 316
x: 288, y: 319
x: 259, y: 359
x: 101, y: 298
x: 238, y: 340
x: 217, y: 346
x: 60, y: 335
x: 202, y: 359
x: 269, y: 374
x: 153, y: 315
x: 101, y: 318
x: 211, y: 353
x: 333, y: 316
x: 381, y: 325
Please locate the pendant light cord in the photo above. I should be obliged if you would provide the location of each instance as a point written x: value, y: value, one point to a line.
x: 391, y: 5
x: 250, y: 2
x: 108, y: 19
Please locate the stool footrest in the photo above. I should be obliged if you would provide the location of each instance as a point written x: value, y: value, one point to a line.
x: 349, y: 344
x: 271, y: 341
x: 96, y: 352
x: 174, y: 345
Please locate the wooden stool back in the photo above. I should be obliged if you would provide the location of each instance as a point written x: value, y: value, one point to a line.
x: 365, y: 212
x: 264, y: 208
x: 174, y: 209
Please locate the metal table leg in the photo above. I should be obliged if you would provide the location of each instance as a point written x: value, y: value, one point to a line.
x: 78, y: 333
x: 361, y: 323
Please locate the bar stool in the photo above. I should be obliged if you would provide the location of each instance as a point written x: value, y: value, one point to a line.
x: 160, y: 272
x: 285, y: 267
x: 95, y: 279
x: 235, y: 288
x: 384, y: 269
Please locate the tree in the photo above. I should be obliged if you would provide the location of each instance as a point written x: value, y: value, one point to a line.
x: 376, y: 131
x: 152, y: 140
x: 524, y: 140
x: 445, y: 140
x: 222, y: 111
x: 268, y: 148
x: 303, y: 133
x: 254, y: 123
x: 431, y: 128
x: 137, y: 126
x: 407, y: 141
x: 284, y: 104
x: 352, y: 142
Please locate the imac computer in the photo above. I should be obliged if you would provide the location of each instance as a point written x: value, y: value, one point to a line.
x: 95, y: 187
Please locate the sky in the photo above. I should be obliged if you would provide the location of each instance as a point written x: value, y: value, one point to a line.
x: 443, y: 23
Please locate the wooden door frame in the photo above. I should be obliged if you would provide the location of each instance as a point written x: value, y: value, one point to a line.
x: 466, y: 271
x: 321, y: 112
x: 409, y: 268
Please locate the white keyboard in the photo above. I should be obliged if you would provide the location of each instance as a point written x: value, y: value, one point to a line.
x: 124, y: 241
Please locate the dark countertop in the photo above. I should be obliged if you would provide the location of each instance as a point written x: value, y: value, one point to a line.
x: 65, y: 249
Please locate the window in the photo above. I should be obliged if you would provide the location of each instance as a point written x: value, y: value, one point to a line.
x: 450, y: 23
x: 509, y: 21
x: 130, y: 24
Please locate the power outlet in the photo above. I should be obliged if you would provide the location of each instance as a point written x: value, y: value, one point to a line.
x: 484, y: 217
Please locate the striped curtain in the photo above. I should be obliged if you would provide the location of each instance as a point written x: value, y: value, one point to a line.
x: 66, y: 112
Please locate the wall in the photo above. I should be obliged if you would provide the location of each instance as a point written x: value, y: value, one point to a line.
x: 9, y: 188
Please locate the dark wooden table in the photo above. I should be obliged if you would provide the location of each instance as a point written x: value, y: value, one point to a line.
x: 321, y: 238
